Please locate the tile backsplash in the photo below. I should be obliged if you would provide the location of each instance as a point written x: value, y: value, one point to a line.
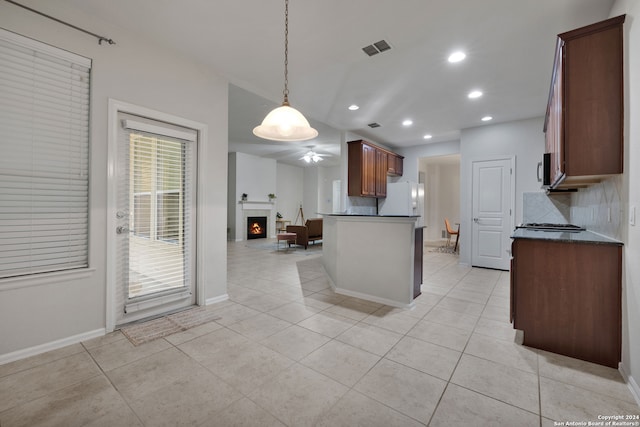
x: 537, y: 207
x: 361, y: 206
x: 599, y: 208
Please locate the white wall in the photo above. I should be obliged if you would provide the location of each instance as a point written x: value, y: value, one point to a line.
x: 631, y: 195
x: 412, y: 155
x: 141, y: 73
x: 232, y: 197
x: 326, y: 176
x: 523, y: 139
x: 255, y: 176
x: 290, y: 184
x: 310, y: 196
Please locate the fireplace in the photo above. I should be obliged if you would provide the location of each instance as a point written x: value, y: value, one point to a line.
x: 256, y: 227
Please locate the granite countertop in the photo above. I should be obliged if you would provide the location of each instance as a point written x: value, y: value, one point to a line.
x: 370, y: 215
x: 564, y: 236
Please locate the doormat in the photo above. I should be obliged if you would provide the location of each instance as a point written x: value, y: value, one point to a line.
x: 444, y: 250
x: 150, y: 330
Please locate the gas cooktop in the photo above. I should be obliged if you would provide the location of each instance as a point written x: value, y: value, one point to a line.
x: 552, y: 227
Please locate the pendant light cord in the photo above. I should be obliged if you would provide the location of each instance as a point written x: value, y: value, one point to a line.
x: 286, y: 53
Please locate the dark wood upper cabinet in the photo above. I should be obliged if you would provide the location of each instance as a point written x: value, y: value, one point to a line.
x: 584, y: 120
x: 395, y: 164
x: 369, y: 166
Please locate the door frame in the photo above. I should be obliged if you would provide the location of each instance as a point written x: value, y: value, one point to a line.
x: 512, y: 204
x: 115, y: 107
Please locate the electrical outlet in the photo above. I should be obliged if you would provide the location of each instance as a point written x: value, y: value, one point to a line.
x: 632, y: 215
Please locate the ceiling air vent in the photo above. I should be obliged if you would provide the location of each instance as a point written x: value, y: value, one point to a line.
x: 376, y: 48
x: 374, y: 125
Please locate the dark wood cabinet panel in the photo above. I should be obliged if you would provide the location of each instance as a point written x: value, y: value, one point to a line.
x: 418, y: 266
x: 368, y: 167
x: 395, y: 164
x: 381, y: 173
x: 362, y: 170
x: 584, y: 122
x: 566, y: 297
x: 368, y: 170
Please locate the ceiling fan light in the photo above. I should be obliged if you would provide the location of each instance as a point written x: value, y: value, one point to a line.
x: 285, y: 123
x: 316, y: 158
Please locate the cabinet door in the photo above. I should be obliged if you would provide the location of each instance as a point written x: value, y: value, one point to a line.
x: 555, y: 131
x: 567, y: 298
x: 399, y: 165
x: 394, y: 164
x: 593, y: 104
x: 368, y: 170
x: 381, y: 174
x: 512, y: 283
x: 391, y: 164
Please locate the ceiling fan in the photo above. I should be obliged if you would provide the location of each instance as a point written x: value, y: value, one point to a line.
x: 312, y: 156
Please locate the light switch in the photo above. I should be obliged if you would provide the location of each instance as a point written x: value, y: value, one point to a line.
x: 632, y: 215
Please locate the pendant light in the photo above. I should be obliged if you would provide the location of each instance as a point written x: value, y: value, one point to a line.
x: 285, y: 123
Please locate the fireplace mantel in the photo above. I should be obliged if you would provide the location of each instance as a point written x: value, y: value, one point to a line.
x: 255, y: 205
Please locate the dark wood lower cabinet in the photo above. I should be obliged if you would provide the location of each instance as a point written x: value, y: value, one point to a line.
x: 417, y: 262
x: 566, y: 297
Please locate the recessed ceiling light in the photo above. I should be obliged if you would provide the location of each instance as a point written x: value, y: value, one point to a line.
x: 457, y: 56
x: 474, y: 94
x: 427, y: 136
x: 407, y: 122
x: 487, y: 118
x: 353, y: 107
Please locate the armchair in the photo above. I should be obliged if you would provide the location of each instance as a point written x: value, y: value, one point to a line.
x: 309, y: 232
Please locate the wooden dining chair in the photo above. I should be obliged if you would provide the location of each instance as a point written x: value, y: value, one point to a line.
x: 452, y: 232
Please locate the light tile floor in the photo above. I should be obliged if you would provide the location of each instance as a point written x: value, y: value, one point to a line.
x: 288, y: 351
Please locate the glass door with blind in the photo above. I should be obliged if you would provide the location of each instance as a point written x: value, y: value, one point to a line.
x: 155, y: 218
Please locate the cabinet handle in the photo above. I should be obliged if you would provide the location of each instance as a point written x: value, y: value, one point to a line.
x: 538, y: 172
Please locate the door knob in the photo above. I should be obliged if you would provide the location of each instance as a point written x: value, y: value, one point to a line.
x: 476, y: 219
x: 121, y: 230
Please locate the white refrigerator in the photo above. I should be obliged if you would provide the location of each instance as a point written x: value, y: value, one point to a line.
x: 403, y: 198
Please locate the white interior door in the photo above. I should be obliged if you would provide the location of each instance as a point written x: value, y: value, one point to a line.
x: 155, y: 218
x: 492, y: 209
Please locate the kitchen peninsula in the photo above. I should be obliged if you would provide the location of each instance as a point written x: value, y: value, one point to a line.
x: 377, y: 258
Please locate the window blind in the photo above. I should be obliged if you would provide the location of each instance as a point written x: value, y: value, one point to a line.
x: 44, y: 157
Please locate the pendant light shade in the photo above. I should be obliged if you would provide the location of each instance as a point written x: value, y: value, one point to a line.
x: 285, y: 123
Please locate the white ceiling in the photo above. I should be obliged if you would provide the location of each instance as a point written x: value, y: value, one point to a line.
x: 509, y: 46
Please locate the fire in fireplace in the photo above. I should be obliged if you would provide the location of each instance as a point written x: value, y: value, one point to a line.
x: 256, y: 227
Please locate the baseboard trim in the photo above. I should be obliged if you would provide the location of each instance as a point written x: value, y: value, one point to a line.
x: 217, y: 299
x: 53, y: 345
x: 631, y: 383
x: 374, y: 298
